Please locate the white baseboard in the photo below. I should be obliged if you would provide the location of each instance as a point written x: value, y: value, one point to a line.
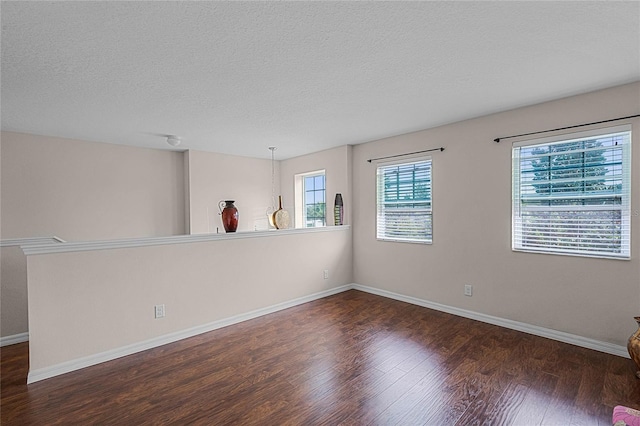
x: 76, y: 364
x: 13, y: 339
x: 560, y: 336
x: 66, y: 367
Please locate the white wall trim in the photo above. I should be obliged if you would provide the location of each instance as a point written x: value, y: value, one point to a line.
x: 9, y: 242
x: 175, y: 239
x: 560, y: 336
x: 66, y: 367
x: 13, y: 339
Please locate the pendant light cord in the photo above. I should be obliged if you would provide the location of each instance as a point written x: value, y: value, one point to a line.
x: 273, y: 182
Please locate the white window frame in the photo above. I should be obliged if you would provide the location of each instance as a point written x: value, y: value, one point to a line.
x: 426, y: 212
x: 300, y: 208
x: 547, y: 236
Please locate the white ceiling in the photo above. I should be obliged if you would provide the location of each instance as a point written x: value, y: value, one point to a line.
x: 238, y: 77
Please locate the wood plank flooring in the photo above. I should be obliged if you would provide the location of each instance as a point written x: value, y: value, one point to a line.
x: 349, y: 359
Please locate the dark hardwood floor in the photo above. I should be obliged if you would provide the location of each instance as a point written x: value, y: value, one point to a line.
x: 349, y: 359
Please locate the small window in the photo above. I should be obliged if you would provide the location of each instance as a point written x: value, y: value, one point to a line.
x: 404, y: 205
x: 310, y: 199
x: 571, y: 194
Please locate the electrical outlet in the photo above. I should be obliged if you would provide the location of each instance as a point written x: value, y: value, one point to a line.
x: 325, y: 274
x: 159, y: 311
x: 468, y: 290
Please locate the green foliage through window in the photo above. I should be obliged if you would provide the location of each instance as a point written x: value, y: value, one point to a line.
x: 314, y: 201
x: 572, y: 196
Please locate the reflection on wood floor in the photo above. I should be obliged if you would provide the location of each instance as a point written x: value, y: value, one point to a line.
x: 351, y: 359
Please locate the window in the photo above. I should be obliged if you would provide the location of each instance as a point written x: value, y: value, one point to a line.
x: 310, y: 199
x: 571, y: 195
x: 314, y: 201
x: 404, y: 201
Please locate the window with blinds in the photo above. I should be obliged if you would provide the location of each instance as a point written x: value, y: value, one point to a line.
x: 572, y: 196
x: 404, y: 206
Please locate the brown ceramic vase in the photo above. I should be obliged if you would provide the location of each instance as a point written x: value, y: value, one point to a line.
x: 229, y: 215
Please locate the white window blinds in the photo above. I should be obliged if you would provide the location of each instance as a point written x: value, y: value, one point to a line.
x: 404, y: 206
x: 572, y: 196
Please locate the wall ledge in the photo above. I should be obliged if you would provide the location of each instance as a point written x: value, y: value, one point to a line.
x: 64, y: 247
x: 11, y: 242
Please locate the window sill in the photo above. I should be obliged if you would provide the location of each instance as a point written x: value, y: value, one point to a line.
x: 392, y: 240
x: 559, y: 253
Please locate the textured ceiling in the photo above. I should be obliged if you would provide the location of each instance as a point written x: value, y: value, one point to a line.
x: 238, y: 77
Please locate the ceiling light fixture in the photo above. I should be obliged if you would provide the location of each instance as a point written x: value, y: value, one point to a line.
x: 174, y: 140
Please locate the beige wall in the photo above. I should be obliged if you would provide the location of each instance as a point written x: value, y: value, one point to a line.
x: 68, y: 188
x: 88, y: 191
x: 215, y: 177
x: 90, y: 302
x: 595, y: 298
x: 13, y: 292
x: 337, y: 165
x: 79, y: 191
x: 14, y: 320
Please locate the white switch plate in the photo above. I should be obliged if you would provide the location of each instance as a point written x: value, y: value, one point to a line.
x: 468, y: 290
x: 325, y: 274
